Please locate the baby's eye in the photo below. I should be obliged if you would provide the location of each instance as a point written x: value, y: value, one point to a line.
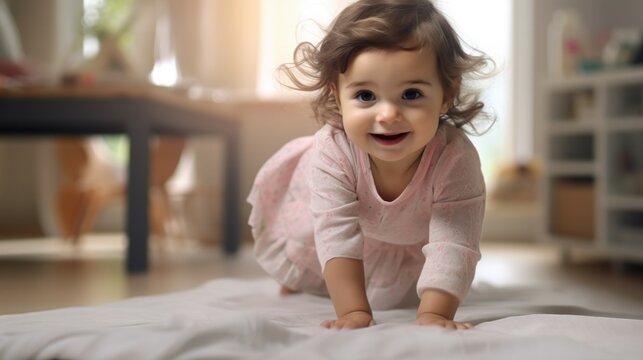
x: 411, y: 94
x: 365, y: 96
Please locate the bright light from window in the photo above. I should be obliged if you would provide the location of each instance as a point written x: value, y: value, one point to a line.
x: 284, y: 24
x: 91, y: 46
x: 470, y: 18
x: 165, y: 71
x: 91, y: 14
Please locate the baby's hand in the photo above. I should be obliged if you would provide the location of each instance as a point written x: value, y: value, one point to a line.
x: 352, y: 320
x: 437, y: 320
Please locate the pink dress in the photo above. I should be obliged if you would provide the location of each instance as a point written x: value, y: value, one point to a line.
x: 315, y: 199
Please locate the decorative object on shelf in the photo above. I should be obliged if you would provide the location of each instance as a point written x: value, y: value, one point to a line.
x: 584, y: 105
x: 567, y: 44
x: 620, y: 51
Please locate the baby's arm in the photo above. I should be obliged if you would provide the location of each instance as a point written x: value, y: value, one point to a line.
x: 345, y: 282
x: 438, y: 307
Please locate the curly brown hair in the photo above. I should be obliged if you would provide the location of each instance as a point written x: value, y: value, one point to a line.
x: 388, y: 24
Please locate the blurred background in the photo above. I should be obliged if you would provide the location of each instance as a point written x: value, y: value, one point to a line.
x: 563, y: 163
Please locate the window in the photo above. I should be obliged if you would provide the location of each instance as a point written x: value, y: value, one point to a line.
x: 284, y: 24
x: 471, y: 19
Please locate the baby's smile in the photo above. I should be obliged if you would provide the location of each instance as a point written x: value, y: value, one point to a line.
x: 390, y: 139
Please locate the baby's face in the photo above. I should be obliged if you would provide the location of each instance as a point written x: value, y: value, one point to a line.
x: 390, y: 101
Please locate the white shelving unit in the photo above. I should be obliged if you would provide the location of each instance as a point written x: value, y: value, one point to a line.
x: 593, y: 164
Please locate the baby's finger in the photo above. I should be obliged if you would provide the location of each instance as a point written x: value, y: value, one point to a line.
x: 327, y: 323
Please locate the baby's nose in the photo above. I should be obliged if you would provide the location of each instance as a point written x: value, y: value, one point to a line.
x: 388, y: 112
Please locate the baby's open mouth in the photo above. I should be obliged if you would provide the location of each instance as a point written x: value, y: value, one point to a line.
x: 390, y: 139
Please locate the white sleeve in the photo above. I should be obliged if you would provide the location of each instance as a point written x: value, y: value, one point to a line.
x: 334, y: 203
x: 456, y: 222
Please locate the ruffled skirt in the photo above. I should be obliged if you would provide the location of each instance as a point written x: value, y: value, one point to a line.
x: 282, y: 227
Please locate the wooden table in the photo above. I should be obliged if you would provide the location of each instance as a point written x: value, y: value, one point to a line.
x: 138, y: 112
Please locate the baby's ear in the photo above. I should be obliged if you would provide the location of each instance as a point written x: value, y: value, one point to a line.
x: 449, y: 96
x: 446, y: 105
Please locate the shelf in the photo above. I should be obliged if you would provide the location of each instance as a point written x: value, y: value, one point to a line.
x: 593, y: 137
x: 629, y: 235
x: 623, y: 202
x: 629, y: 123
x: 626, y: 251
x: 624, y: 100
x: 572, y: 168
x: 572, y: 105
x: 572, y: 147
x: 572, y: 127
x: 625, y: 160
x: 616, y: 76
x: 625, y: 227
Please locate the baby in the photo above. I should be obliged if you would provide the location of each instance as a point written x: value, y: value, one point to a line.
x: 383, y: 206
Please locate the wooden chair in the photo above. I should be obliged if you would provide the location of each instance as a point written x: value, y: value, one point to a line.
x: 81, y: 197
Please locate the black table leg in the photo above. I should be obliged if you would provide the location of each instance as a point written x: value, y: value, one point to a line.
x: 231, y: 188
x: 138, y: 199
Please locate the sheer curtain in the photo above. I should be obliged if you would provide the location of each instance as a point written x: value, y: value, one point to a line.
x: 284, y: 24
x: 236, y: 46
